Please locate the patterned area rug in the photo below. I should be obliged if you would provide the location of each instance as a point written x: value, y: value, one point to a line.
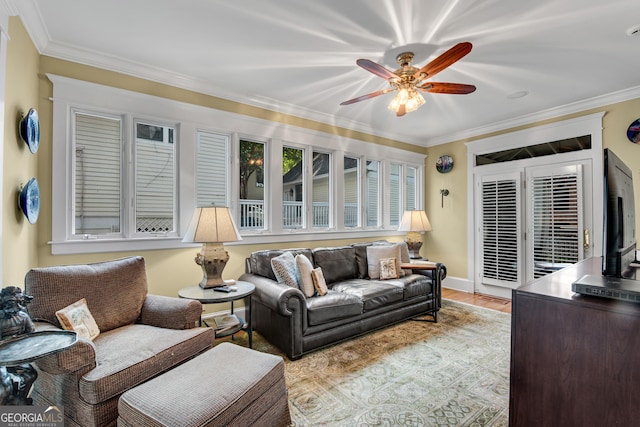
x: 453, y: 373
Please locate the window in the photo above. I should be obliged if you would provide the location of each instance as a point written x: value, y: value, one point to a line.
x: 293, y: 172
x: 97, y: 174
x: 321, y: 190
x: 212, y: 168
x: 155, y: 178
x: 410, y: 189
x: 252, y: 184
x: 128, y: 170
x: 373, y: 193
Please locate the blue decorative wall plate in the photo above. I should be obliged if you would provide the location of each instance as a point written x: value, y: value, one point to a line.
x: 444, y: 164
x: 30, y: 130
x: 29, y: 200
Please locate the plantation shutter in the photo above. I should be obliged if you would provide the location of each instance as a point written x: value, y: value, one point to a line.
x: 556, y: 220
x: 394, y: 194
x: 211, y: 169
x: 501, y: 230
x: 373, y: 192
x: 98, y: 148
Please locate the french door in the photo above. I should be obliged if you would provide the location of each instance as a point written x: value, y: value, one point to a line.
x: 531, y: 223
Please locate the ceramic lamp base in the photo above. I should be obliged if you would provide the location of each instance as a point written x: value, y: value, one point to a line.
x: 213, y: 259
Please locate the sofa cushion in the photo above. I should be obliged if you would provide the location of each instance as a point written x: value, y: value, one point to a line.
x: 414, y: 285
x: 285, y: 270
x: 260, y: 261
x: 373, y: 293
x: 115, y: 290
x: 121, y: 366
x: 337, y: 263
x: 332, y: 306
x: 361, y: 258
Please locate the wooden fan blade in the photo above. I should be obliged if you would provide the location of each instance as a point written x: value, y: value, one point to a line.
x: 367, y: 96
x: 376, y: 69
x: 443, y: 61
x: 452, y: 88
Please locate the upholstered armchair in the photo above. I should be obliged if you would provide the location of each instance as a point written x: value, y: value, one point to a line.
x: 140, y: 336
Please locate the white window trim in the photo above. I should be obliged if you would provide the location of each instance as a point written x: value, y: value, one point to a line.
x: 70, y: 93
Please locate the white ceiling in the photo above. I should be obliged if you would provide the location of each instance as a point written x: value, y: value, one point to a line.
x: 299, y: 57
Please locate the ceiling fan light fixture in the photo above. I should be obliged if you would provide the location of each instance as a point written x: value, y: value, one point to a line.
x: 409, y: 97
x: 416, y: 100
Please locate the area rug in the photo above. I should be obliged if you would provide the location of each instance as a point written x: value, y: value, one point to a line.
x: 451, y: 373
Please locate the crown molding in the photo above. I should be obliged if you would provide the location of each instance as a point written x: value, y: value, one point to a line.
x: 551, y: 113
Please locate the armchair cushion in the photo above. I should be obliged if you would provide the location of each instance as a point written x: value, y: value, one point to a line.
x: 169, y: 312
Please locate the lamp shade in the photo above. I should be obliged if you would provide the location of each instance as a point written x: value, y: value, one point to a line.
x: 211, y: 224
x: 414, y: 221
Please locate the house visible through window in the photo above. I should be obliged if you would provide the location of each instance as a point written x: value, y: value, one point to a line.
x: 351, y: 187
x: 155, y: 178
x: 321, y: 188
x: 293, y: 172
x: 252, y: 200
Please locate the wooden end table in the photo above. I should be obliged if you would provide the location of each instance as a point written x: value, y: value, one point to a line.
x: 211, y: 296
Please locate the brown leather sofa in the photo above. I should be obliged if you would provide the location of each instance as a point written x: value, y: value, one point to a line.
x: 141, y: 336
x: 354, y: 305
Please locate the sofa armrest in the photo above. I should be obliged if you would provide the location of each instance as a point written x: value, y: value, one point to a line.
x: 170, y: 312
x: 80, y: 357
x: 275, y: 295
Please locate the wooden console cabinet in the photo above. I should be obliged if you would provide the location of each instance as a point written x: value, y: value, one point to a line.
x: 575, y: 360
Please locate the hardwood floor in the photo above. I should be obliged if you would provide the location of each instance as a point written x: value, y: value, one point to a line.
x: 494, y: 303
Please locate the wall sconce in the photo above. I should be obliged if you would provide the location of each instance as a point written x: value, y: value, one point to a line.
x: 444, y: 192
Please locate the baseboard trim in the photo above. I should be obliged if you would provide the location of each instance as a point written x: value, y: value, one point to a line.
x: 458, y: 284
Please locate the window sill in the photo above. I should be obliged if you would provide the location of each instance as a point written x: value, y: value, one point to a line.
x: 157, y: 243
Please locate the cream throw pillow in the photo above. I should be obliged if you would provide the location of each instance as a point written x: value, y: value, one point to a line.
x: 77, y: 317
x: 304, y: 271
x: 376, y: 253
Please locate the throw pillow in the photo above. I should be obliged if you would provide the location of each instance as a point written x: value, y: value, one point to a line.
x: 284, y: 268
x: 304, y: 271
x: 404, y: 257
x: 375, y: 253
x: 318, y: 281
x: 77, y: 317
x: 388, y: 268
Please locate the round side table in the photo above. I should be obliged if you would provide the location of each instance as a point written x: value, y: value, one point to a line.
x: 211, y: 296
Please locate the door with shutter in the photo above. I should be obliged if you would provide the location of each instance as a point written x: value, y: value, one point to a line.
x: 526, y: 234
x: 500, y: 231
x: 555, y: 219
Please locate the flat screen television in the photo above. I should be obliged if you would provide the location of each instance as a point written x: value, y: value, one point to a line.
x: 619, y: 239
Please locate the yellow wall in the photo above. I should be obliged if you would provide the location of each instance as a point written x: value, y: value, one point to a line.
x: 19, y: 238
x: 447, y: 242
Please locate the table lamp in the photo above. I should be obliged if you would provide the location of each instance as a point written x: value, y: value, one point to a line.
x: 212, y: 226
x: 414, y: 223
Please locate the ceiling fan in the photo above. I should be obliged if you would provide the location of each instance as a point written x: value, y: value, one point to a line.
x: 409, y: 81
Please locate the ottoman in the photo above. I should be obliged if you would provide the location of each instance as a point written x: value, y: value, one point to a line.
x: 228, y: 385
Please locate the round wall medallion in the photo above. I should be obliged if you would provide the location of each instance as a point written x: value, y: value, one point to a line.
x: 30, y: 130
x: 633, y: 132
x: 29, y: 200
x: 444, y: 164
